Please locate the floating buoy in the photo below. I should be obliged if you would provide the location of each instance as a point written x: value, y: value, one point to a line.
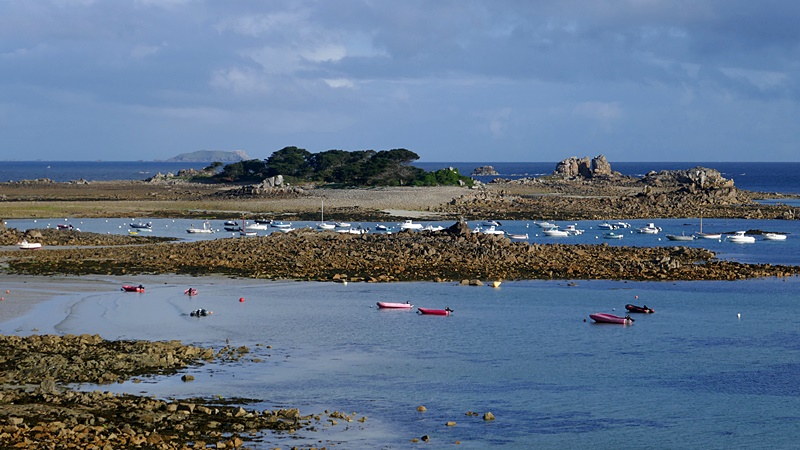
x: 241, y: 299
x: 496, y: 284
x: 2, y: 299
x: 7, y: 291
x: 738, y: 315
x: 635, y: 296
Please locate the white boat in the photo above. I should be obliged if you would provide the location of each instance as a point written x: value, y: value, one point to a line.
x: 617, y: 225
x: 545, y: 225
x: 490, y: 223
x: 774, y: 236
x: 142, y: 225
x: 410, y: 225
x: 433, y: 228
x: 206, y: 229
x: 343, y: 224
x: 741, y: 238
x: 230, y: 223
x: 352, y: 230
x: 573, y: 230
x: 701, y: 235
x: 491, y: 230
x: 281, y: 225
x: 381, y: 227
x: 682, y: 237
x: 612, y: 235
x: 324, y: 225
x: 25, y: 245
x: 248, y: 233
x: 651, y: 228
x: 555, y: 232
x: 286, y: 229
x: 257, y: 226
x: 517, y: 237
x: 605, y: 226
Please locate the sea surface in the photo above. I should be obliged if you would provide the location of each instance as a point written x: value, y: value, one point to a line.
x: 716, y: 366
x: 778, y: 177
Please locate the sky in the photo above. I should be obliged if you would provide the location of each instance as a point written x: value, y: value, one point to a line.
x: 451, y: 80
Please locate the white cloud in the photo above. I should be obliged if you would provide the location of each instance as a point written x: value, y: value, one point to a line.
x: 240, y: 81
x: 340, y: 83
x: 763, y: 80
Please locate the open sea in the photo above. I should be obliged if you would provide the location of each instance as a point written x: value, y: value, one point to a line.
x: 717, y: 365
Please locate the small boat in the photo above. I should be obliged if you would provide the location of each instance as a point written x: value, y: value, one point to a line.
x: 25, y: 245
x: 263, y: 221
x: 611, y: 318
x: 129, y: 288
x: 352, y: 231
x: 248, y: 233
x: 206, y: 229
x: 639, y: 309
x: 257, y: 226
x: 190, y: 292
x: 741, y: 238
x: 343, y: 224
x: 490, y: 223
x: 517, y: 237
x: 281, y: 225
x: 230, y: 223
x: 491, y: 230
x: 436, y: 312
x: 617, y: 225
x: 142, y: 225
x: 701, y: 235
x: 410, y: 225
x: 326, y: 226
x: 573, y: 230
x: 390, y: 305
x: 381, y: 227
x: 545, y: 225
x: 651, y: 228
x: 200, y: 313
x: 133, y: 232
x: 774, y: 236
x: 605, y: 226
x: 612, y: 235
x: 555, y: 232
x: 433, y: 228
x: 231, y: 228
x: 62, y: 226
x: 682, y: 237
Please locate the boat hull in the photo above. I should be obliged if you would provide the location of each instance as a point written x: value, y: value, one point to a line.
x: 610, y: 318
x: 774, y: 237
x: 435, y: 312
x: 639, y: 309
x: 391, y: 305
x: 127, y: 288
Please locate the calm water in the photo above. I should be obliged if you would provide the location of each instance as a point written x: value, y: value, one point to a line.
x: 717, y: 365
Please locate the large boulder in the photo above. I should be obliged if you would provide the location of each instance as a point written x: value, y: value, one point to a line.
x: 574, y: 167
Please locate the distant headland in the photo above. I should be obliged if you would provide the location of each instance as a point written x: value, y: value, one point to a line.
x: 211, y: 156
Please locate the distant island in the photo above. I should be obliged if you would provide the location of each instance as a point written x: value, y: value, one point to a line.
x: 211, y: 156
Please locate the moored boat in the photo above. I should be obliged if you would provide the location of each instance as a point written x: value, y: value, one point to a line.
x: 612, y: 235
x: 206, y: 229
x: 639, y: 309
x: 555, y: 232
x: 129, y: 288
x: 436, y: 312
x: 741, y: 238
x: 651, y: 228
x: 410, y: 225
x: 774, y: 236
x: 611, y: 318
x: 281, y: 225
x: 681, y: 237
x: 142, y: 225
x: 517, y: 237
x: 395, y: 305
x: 25, y: 245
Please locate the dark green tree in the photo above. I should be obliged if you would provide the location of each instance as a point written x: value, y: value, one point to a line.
x: 289, y: 162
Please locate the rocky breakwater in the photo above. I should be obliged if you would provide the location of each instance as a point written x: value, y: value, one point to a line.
x: 56, y: 237
x: 38, y: 411
x: 583, y: 189
x: 452, y: 255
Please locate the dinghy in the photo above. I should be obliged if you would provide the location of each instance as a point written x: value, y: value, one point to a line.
x: 128, y: 288
x: 390, y: 305
x: 639, y: 309
x: 436, y: 312
x: 611, y: 318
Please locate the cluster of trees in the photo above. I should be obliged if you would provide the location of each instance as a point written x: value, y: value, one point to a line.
x: 340, y: 167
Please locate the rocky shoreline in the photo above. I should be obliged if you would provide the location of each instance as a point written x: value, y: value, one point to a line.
x: 38, y: 411
x: 455, y: 254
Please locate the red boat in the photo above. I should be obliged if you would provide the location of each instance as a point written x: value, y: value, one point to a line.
x: 436, y: 312
x: 390, y: 305
x: 128, y: 288
x: 639, y: 309
x: 611, y: 318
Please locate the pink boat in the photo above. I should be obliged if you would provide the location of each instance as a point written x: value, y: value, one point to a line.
x: 390, y: 305
x: 436, y: 312
x: 138, y: 288
x: 611, y: 318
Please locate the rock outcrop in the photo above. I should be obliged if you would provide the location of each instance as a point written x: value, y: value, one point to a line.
x: 574, y: 167
x: 484, y: 171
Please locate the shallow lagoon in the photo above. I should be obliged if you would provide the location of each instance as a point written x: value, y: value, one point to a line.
x: 716, y: 365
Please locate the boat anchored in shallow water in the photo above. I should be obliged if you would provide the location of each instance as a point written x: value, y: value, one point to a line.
x: 774, y: 237
x: 741, y: 238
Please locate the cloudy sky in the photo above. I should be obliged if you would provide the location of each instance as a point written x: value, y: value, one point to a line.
x: 452, y: 80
